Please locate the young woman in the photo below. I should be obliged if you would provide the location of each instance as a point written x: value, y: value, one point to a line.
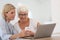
x: 7, y: 29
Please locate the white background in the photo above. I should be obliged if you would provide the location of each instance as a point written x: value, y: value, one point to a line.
x: 42, y: 10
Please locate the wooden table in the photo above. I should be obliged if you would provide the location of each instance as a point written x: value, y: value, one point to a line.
x: 54, y: 37
x: 50, y: 38
x: 47, y: 38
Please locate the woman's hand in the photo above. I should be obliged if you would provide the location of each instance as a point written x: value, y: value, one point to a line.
x: 29, y: 33
x: 26, y: 33
x: 21, y: 34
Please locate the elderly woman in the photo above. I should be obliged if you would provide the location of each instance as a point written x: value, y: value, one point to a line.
x: 7, y: 30
x: 25, y: 25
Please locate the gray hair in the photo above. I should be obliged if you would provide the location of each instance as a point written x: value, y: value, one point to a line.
x: 22, y: 8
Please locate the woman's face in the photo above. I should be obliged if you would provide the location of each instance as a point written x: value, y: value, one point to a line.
x: 23, y: 15
x: 11, y: 14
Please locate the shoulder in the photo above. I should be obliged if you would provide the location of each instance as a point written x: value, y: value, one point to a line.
x: 2, y: 22
x: 34, y: 20
x: 16, y: 24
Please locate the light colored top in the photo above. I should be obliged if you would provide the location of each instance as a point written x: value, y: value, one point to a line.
x: 6, y: 29
x: 32, y: 26
x: 0, y: 34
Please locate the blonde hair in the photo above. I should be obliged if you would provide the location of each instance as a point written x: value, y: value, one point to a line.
x: 7, y: 8
x: 22, y: 8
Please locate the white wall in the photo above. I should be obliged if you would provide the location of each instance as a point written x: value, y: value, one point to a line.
x: 43, y: 10
x: 55, y: 11
x: 40, y: 9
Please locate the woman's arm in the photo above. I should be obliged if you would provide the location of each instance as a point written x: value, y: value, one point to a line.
x: 4, y: 35
x: 19, y: 35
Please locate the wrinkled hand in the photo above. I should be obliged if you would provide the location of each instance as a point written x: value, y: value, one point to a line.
x: 23, y: 33
x: 29, y: 33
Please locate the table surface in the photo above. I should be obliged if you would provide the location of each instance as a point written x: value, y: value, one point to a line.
x: 47, y: 38
x: 54, y: 37
x: 50, y: 38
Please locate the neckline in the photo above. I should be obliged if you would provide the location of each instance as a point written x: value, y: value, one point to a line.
x: 26, y: 26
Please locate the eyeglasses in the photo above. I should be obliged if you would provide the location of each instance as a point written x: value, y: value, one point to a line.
x: 22, y: 14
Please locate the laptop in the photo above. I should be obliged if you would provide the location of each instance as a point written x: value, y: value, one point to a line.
x: 44, y: 30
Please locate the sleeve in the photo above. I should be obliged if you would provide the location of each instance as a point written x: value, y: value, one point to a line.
x: 0, y: 38
x: 0, y: 34
x: 3, y: 33
x: 34, y: 24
